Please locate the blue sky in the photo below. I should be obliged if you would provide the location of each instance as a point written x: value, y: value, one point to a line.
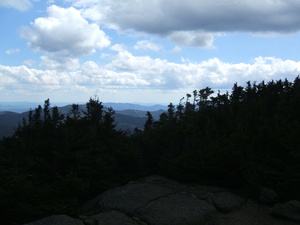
x: 143, y: 51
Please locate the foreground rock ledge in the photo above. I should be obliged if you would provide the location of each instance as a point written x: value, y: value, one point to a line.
x: 289, y: 210
x: 154, y: 200
x: 56, y: 220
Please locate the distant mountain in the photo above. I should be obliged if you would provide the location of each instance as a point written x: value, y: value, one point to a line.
x: 129, y: 123
x: 21, y: 107
x: 140, y: 113
x: 125, y: 106
x: 125, y: 119
x: 16, y: 107
x: 9, y: 122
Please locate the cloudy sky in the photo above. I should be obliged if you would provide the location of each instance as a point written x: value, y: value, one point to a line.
x: 143, y: 51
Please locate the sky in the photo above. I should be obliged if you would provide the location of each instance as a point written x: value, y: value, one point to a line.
x: 143, y: 51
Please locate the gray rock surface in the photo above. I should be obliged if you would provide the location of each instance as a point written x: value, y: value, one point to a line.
x: 267, y: 196
x: 131, y: 197
x: 251, y: 213
x: 177, y: 209
x: 156, y: 200
x: 57, y: 220
x: 115, y: 218
x: 226, y: 201
x: 289, y: 210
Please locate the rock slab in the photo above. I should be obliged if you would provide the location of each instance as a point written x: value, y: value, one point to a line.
x: 115, y: 218
x: 226, y: 201
x: 289, y: 210
x: 177, y: 209
x: 57, y: 220
x: 267, y: 196
x: 156, y: 200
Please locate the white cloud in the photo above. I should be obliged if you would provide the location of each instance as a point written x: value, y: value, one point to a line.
x: 176, y: 49
x: 12, y: 51
x: 108, y: 78
x: 65, y: 30
x: 195, y: 17
x: 129, y: 72
x: 29, y: 62
x: 21, y: 5
x: 118, y: 48
x: 64, y: 34
x: 162, y: 74
x: 21, y: 78
x: 59, y: 62
x: 192, y: 38
x: 147, y: 45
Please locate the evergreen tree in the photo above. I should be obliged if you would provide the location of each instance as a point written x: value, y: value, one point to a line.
x: 149, y: 122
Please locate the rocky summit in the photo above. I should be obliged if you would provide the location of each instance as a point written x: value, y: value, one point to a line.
x: 155, y: 200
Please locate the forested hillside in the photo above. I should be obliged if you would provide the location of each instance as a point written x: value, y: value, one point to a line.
x: 125, y: 119
x: 245, y: 140
x: 249, y: 138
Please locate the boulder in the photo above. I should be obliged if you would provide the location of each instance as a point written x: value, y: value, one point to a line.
x: 177, y: 209
x: 157, y: 200
x: 154, y: 200
x: 90, y: 221
x: 267, y: 196
x: 289, y: 210
x: 203, y: 192
x: 115, y: 218
x: 226, y: 201
x: 57, y: 220
x: 157, y: 184
x: 134, y: 195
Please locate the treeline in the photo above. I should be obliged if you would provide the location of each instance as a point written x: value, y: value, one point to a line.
x: 54, y: 162
x: 245, y: 140
x: 249, y: 138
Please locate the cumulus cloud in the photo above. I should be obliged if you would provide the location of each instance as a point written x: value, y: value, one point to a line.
x: 29, y: 62
x: 12, y: 51
x: 21, y: 78
x: 170, y: 17
x: 147, y: 45
x: 64, y: 34
x: 163, y: 16
x: 129, y: 72
x: 176, y: 49
x: 213, y: 72
x: 59, y: 62
x: 21, y: 5
x: 118, y: 48
x: 99, y: 76
x: 192, y: 38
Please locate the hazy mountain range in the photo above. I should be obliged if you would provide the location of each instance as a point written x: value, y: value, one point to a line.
x: 127, y: 117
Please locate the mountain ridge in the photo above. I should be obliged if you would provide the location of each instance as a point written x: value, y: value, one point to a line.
x: 126, y: 119
x: 21, y: 107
